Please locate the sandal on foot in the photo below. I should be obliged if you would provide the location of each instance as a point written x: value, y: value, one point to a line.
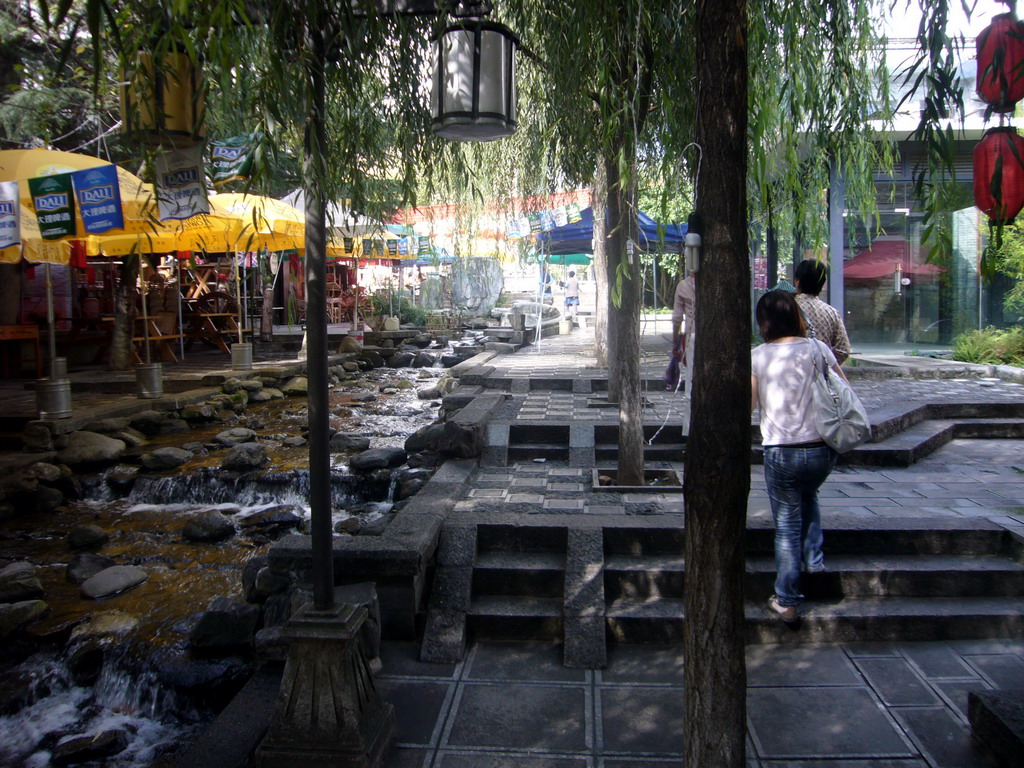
x: 786, y: 613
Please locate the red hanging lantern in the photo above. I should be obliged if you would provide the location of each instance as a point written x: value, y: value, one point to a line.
x: 999, y: 174
x: 1001, y: 63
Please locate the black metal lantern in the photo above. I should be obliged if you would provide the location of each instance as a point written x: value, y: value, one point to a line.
x: 473, y: 94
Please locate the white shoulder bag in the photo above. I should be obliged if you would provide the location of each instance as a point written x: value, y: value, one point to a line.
x: 838, y: 413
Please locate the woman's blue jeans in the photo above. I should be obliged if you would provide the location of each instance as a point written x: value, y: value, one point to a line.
x: 793, y: 475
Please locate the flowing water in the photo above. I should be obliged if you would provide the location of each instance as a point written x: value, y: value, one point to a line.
x: 143, y: 632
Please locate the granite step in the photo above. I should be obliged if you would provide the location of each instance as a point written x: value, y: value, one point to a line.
x: 862, y: 619
x: 847, y: 576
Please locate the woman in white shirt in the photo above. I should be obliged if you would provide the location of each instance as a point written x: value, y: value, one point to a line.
x: 796, y: 459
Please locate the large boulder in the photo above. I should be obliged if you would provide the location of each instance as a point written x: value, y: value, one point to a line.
x: 349, y: 345
x: 424, y: 438
x: 149, y: 422
x: 235, y: 436
x: 401, y: 359
x: 245, y: 458
x: 377, y: 458
x: 273, y: 521
x: 113, y: 581
x: 423, y: 360
x: 90, y: 448
x: 18, y: 582
x: 16, y: 615
x: 84, y: 749
x: 225, y: 624
x: 208, y: 525
x: 343, y: 441
x: 81, y: 567
x: 165, y: 458
x: 296, y: 387
x: 87, y: 537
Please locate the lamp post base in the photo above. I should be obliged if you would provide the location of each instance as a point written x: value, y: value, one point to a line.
x: 328, y: 710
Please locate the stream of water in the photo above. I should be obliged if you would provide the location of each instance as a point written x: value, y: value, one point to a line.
x: 129, y: 702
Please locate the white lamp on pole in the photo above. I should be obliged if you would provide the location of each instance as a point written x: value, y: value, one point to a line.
x: 473, y: 91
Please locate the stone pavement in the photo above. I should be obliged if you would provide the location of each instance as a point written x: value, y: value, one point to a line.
x: 871, y: 705
x: 865, y: 705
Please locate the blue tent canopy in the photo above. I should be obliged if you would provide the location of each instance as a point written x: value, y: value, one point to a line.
x: 579, y: 236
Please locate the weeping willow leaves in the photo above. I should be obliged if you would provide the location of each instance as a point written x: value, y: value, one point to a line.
x: 817, y: 79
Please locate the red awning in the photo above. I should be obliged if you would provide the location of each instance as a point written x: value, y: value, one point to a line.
x: 880, y: 261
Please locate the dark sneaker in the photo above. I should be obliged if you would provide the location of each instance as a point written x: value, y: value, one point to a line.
x: 786, y: 613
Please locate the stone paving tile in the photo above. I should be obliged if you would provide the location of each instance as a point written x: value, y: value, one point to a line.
x: 564, y: 505
x: 836, y: 723
x: 942, y: 738
x: 517, y: 716
x: 604, y: 509
x: 819, y: 665
x: 896, y: 682
x: 936, y: 661
x: 520, y: 661
x: 1003, y: 671
x: 475, y: 759
x: 525, y: 498
x: 638, y: 719
x: 419, y: 707
x: 566, y: 487
x: 955, y: 694
x: 487, y: 493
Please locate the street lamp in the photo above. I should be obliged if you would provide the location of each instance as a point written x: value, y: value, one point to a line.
x: 473, y: 89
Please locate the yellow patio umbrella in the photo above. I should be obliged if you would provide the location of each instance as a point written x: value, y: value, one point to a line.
x: 137, y: 200
x: 33, y: 247
x: 243, y: 223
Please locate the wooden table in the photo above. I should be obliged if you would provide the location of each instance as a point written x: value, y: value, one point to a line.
x: 204, y: 280
x: 20, y: 333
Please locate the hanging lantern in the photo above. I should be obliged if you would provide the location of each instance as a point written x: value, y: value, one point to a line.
x: 1001, y: 63
x: 164, y: 105
x: 473, y: 93
x: 999, y: 174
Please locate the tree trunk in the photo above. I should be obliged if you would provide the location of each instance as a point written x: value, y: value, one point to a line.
x: 624, y: 319
x: 613, y: 253
x: 717, y: 477
x: 124, y: 315
x: 599, y: 206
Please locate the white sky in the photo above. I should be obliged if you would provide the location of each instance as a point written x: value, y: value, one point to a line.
x: 904, y: 21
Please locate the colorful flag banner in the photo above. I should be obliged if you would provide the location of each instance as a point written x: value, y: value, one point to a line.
x: 424, y: 246
x: 392, y: 248
x: 367, y: 246
x: 99, y: 198
x: 348, y: 242
x: 547, y: 221
x: 560, y: 217
x: 573, y: 212
x: 180, y: 190
x: 54, y: 201
x: 512, y: 228
x: 403, y: 246
x: 10, y: 229
x: 535, y: 222
x: 232, y: 158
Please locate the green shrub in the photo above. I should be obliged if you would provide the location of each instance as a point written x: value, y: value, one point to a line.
x: 990, y: 346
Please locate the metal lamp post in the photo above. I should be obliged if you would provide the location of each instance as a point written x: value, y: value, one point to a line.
x: 328, y: 711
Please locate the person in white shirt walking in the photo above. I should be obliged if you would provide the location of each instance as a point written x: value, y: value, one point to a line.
x: 572, y: 295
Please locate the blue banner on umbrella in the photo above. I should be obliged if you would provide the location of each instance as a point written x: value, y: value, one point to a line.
x: 99, y: 198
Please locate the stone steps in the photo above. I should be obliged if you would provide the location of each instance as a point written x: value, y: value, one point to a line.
x: 623, y: 581
x: 897, y: 442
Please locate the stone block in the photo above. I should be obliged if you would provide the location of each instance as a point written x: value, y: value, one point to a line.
x: 997, y: 724
x: 584, y: 645
x: 584, y: 581
x: 457, y: 546
x: 444, y: 639
x: 452, y: 589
